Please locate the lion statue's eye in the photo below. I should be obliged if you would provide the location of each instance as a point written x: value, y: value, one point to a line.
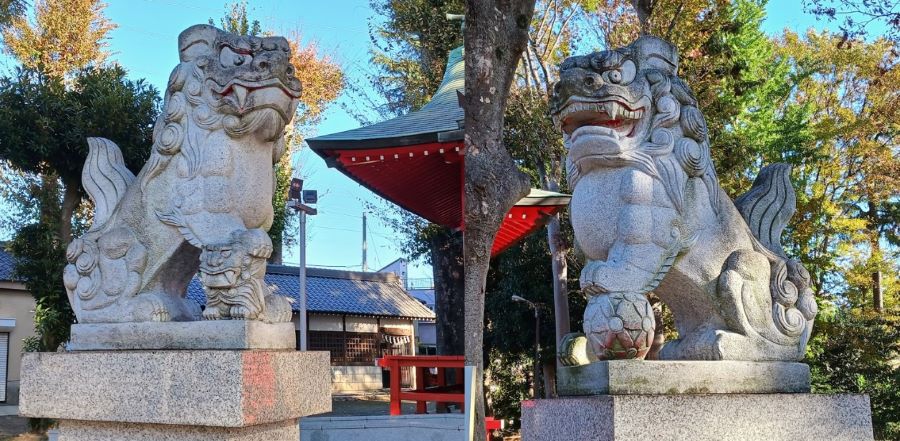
x: 613, y: 76
x: 623, y: 74
x: 229, y: 58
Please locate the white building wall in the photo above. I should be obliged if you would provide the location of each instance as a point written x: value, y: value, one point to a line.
x: 355, y: 378
x: 325, y: 323
x: 362, y: 324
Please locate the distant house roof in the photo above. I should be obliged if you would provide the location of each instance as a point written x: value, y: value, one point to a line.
x: 7, y: 266
x: 339, y: 292
x: 329, y: 291
x: 426, y: 296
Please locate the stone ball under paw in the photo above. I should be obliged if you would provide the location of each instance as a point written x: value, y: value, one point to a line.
x: 619, y: 326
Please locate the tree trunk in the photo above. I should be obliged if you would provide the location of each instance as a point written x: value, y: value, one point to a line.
x: 495, y: 36
x: 559, y: 265
x: 643, y: 9
x: 48, y: 197
x: 277, y: 256
x: 449, y: 298
x: 877, y: 295
x: 875, y: 258
x: 549, y: 374
x: 71, y: 199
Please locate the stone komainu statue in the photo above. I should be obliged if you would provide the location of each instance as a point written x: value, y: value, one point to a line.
x: 649, y: 214
x: 204, y: 198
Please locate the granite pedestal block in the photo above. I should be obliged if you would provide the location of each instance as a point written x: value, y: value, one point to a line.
x: 186, y: 395
x: 637, y: 377
x: 713, y: 417
x: 72, y: 430
x: 209, y: 334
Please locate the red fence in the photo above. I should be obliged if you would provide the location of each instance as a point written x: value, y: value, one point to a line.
x: 437, y: 390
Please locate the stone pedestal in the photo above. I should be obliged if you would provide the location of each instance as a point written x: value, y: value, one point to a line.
x: 245, y: 394
x: 212, y: 334
x: 697, y: 400
x: 637, y: 377
x: 712, y: 417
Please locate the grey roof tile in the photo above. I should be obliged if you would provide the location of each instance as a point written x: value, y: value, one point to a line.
x: 7, y: 266
x: 340, y: 292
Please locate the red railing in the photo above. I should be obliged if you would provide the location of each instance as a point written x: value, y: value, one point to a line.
x: 440, y: 392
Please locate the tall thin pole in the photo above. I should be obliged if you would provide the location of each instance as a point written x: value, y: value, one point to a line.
x: 537, y: 352
x: 302, y: 271
x: 365, y: 246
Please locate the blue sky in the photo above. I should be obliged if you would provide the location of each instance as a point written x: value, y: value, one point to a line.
x: 145, y: 43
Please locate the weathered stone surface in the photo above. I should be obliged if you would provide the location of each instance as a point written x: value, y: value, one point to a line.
x: 636, y: 377
x: 203, y: 388
x: 70, y: 430
x: 210, y: 334
x: 716, y: 417
x: 202, y: 202
x: 439, y: 427
x: 649, y: 214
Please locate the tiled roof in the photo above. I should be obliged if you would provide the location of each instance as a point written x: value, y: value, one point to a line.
x: 339, y: 292
x: 424, y: 295
x: 438, y: 121
x: 7, y: 265
x: 329, y: 291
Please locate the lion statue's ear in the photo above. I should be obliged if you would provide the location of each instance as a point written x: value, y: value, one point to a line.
x: 655, y: 53
x: 196, y: 41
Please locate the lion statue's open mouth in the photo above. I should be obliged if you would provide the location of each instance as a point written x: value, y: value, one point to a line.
x: 613, y: 118
x: 240, y: 98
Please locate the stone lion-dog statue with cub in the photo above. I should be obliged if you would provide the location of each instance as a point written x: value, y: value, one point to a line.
x: 203, y: 200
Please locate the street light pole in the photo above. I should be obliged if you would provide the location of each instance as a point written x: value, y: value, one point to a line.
x: 295, y: 195
x: 536, y: 380
x: 302, y: 210
x: 302, y: 270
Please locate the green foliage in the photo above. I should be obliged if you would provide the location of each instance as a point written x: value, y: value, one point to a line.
x: 410, y: 50
x: 43, y: 126
x: 237, y: 20
x: 857, y: 353
x: 10, y: 9
x: 531, y: 137
x: 522, y: 270
x: 40, y: 261
x: 65, y: 35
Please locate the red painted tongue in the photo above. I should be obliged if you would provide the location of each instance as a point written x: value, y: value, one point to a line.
x: 576, y: 124
x: 611, y: 123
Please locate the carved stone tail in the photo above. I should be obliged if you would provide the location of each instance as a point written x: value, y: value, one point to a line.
x: 768, y: 208
x: 769, y: 205
x: 105, y: 178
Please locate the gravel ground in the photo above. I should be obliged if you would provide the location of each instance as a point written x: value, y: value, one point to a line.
x: 364, y: 406
x: 12, y: 425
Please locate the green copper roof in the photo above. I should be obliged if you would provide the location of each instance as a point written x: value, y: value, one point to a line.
x: 438, y: 121
x: 544, y: 197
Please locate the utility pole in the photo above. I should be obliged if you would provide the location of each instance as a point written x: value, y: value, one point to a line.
x: 365, y: 246
x: 296, y: 197
x: 536, y: 379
